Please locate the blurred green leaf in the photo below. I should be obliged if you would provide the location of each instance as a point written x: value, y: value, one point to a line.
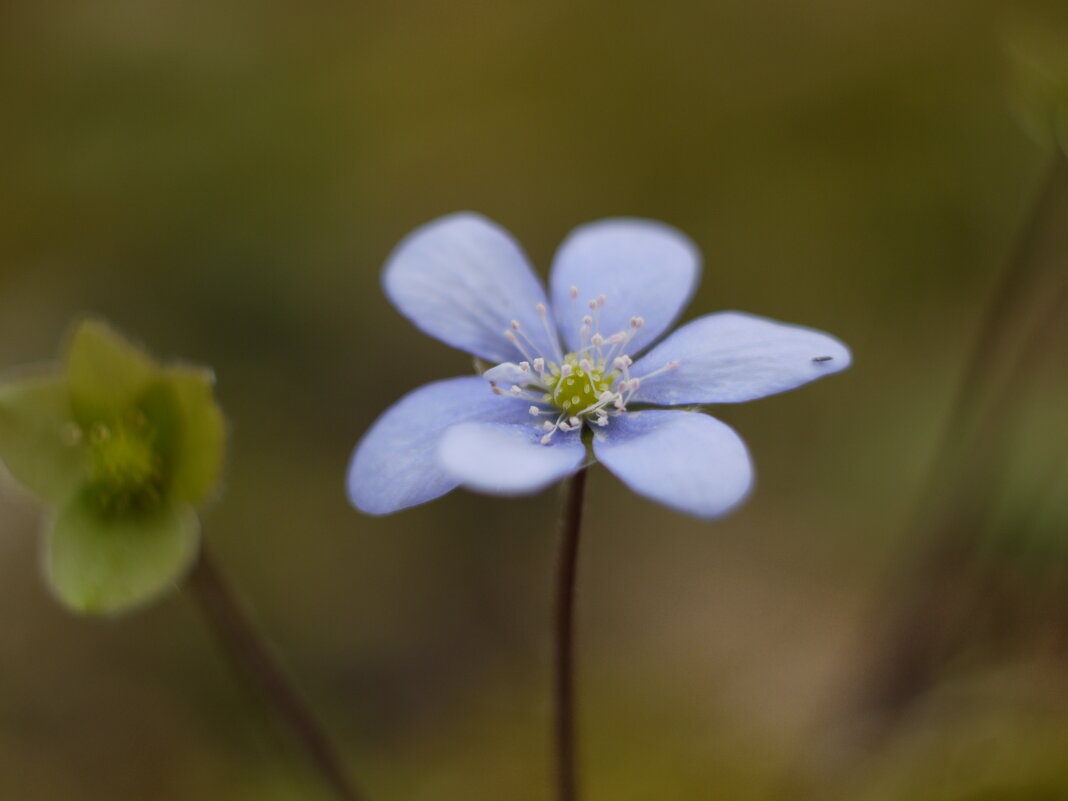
x: 38, y: 438
x: 99, y: 564
x: 200, y: 444
x: 106, y: 374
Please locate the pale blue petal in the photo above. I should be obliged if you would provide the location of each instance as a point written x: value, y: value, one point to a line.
x: 731, y: 357
x: 686, y: 460
x: 508, y: 459
x: 642, y: 267
x: 394, y: 467
x: 463, y: 279
x: 506, y: 374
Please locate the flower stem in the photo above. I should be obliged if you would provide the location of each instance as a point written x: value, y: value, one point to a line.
x: 252, y: 659
x: 564, y: 639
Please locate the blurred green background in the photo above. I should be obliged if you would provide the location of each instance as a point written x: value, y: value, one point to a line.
x: 223, y: 181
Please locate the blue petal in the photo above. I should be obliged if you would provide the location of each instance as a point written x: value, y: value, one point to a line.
x: 508, y: 459
x: 393, y: 466
x: 642, y: 267
x: 506, y: 374
x: 463, y: 279
x: 731, y: 357
x: 685, y: 460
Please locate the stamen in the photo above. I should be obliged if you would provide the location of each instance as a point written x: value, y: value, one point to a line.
x: 534, y: 348
x: 517, y: 391
x: 511, y: 337
x: 601, y: 300
x: 598, y: 341
x: 584, y: 332
x: 672, y: 365
x: 550, y: 332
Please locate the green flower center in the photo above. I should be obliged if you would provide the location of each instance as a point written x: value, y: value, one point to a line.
x: 125, y: 467
x: 575, y: 392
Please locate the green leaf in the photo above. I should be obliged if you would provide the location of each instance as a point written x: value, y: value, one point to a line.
x: 197, y: 458
x: 39, y: 442
x: 102, y: 565
x: 106, y: 374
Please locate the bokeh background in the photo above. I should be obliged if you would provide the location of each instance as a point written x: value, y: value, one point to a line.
x: 223, y: 181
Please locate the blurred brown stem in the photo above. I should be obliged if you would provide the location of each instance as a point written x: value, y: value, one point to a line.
x: 564, y: 639
x: 252, y: 658
x: 963, y: 472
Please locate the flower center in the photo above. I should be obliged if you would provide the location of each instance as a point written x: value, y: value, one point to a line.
x: 586, y: 386
x: 581, y: 388
x: 125, y: 468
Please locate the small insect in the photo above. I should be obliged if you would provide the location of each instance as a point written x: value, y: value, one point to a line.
x: 822, y: 358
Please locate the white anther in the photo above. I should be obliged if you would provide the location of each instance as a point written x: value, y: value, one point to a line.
x: 540, y: 309
x: 574, y: 293
x: 616, y: 338
x: 524, y: 366
x: 546, y: 438
x: 597, y: 340
x: 619, y: 403
x: 511, y: 337
x: 563, y: 426
x: 575, y: 422
x: 592, y: 304
x: 534, y: 411
x: 622, y: 362
x: 548, y: 426
x: 601, y: 420
x: 587, y: 320
x: 605, y: 397
x: 516, y: 390
x: 586, y: 365
x: 634, y: 383
x: 539, y: 365
x: 637, y: 322
x: 566, y: 370
x: 515, y: 325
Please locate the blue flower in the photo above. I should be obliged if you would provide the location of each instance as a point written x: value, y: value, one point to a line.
x: 577, y: 361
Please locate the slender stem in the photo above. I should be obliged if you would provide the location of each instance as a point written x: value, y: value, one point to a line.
x: 962, y: 471
x: 564, y: 639
x: 252, y: 658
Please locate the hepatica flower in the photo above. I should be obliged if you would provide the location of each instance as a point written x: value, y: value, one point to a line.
x: 121, y: 450
x: 575, y: 368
